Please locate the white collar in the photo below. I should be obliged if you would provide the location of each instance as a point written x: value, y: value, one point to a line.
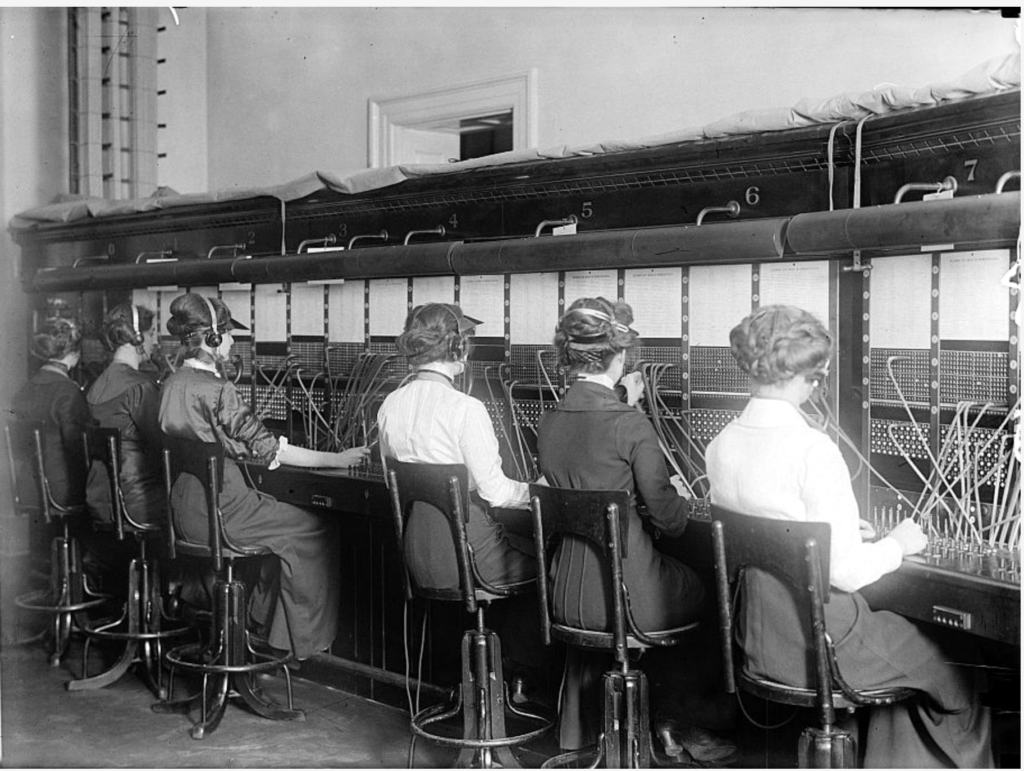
x: 202, y: 365
x: 599, y: 378
x: 768, y: 413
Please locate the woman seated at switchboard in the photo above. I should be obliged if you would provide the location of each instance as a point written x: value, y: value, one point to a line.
x: 771, y: 462
x: 593, y: 440
x: 428, y: 420
x: 296, y: 607
x: 128, y: 399
x: 53, y: 397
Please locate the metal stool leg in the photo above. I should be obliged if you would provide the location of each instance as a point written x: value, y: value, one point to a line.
x: 483, y: 703
x: 227, y: 667
x: 626, y: 742
x: 827, y: 747
x: 140, y: 628
x: 68, y: 596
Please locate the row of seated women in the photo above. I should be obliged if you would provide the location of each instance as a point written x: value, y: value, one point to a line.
x: 295, y: 603
x: 771, y: 461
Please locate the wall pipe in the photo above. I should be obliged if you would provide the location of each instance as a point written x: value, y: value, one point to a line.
x: 985, y: 220
x: 981, y: 220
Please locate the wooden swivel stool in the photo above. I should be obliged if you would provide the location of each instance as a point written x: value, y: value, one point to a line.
x: 141, y: 625
x: 227, y: 663
x: 798, y: 554
x: 69, y: 594
x: 482, y: 699
x: 595, y: 515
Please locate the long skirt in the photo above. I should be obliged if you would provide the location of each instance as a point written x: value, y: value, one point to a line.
x: 946, y: 727
x: 663, y: 593
x: 297, y: 604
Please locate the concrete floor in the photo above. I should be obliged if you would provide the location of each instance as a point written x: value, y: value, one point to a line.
x: 44, y: 725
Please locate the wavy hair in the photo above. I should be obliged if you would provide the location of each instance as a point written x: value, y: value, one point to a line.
x: 190, y: 320
x: 779, y: 342
x: 592, y: 332
x: 432, y: 334
x: 56, y: 338
x: 118, y: 328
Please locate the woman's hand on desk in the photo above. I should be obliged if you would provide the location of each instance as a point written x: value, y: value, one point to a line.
x: 909, y: 536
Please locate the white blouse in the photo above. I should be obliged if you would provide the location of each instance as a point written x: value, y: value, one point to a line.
x: 428, y: 421
x: 769, y: 462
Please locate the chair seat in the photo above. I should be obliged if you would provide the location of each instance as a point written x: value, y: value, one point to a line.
x: 454, y: 594
x: 588, y: 638
x: 773, y: 690
x: 202, y: 550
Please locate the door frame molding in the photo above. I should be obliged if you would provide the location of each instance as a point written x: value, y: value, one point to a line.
x: 516, y: 92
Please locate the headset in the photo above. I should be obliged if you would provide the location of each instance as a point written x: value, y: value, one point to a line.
x: 456, y: 340
x: 601, y: 316
x: 137, y: 338
x: 213, y: 337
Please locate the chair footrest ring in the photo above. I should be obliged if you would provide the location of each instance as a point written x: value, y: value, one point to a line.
x: 440, y: 712
x: 42, y: 601
x: 177, y: 658
x: 103, y: 634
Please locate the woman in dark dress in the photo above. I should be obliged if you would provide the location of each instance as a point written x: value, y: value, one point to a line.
x: 296, y: 607
x: 592, y: 440
x: 125, y: 398
x: 53, y: 397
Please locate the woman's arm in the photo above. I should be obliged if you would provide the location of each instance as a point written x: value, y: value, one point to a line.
x: 667, y: 509
x: 828, y: 497
x: 241, y: 426
x: 481, y: 455
x: 291, y: 455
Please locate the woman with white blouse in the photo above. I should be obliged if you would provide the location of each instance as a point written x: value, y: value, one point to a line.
x: 772, y: 462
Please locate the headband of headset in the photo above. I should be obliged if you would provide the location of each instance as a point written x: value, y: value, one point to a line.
x: 596, y: 340
x: 213, y: 338
x: 137, y: 338
x: 618, y: 326
x: 455, y: 338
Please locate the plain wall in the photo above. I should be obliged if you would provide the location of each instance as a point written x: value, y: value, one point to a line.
x: 182, y: 161
x: 288, y: 88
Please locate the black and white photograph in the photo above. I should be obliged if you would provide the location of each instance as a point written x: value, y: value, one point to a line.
x: 583, y: 386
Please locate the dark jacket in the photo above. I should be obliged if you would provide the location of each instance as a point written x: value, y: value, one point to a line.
x: 591, y: 440
x: 128, y: 400
x: 55, y: 399
x: 198, y: 405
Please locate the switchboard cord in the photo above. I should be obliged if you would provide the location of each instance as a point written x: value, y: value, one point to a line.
x: 521, y: 457
x: 414, y: 704
x: 313, y: 420
x: 278, y: 383
x: 957, y: 451
x: 529, y: 467
x: 542, y: 373
x: 363, y: 389
x: 675, y: 432
x: 833, y: 424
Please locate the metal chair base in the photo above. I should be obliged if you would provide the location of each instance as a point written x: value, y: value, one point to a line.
x: 68, y: 596
x: 140, y: 627
x: 626, y: 738
x: 483, y: 703
x: 228, y: 666
x: 819, y: 748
